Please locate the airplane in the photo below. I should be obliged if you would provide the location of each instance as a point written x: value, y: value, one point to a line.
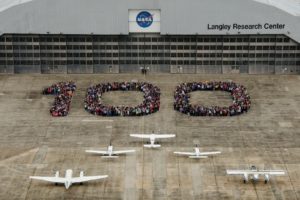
x: 152, y: 138
x: 197, y: 153
x: 110, y: 153
x: 68, y: 180
x: 254, y: 173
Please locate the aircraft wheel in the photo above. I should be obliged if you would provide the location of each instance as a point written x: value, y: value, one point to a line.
x: 81, y: 183
x: 266, y: 181
x: 244, y: 181
x: 56, y: 184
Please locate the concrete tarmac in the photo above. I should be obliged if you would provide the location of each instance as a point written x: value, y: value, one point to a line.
x: 34, y: 143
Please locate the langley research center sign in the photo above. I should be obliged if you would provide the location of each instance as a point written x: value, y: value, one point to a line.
x: 265, y: 26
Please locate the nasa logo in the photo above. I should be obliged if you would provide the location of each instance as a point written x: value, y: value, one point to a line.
x: 144, y: 19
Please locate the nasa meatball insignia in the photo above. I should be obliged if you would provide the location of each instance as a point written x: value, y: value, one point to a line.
x: 144, y: 19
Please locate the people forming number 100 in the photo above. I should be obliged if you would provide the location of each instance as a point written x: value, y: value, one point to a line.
x: 93, y: 103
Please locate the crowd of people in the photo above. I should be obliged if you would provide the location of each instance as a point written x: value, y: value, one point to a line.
x: 94, y: 105
x: 241, y: 100
x: 64, y: 92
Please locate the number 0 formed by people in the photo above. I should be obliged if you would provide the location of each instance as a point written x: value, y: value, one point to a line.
x: 94, y: 105
x: 93, y: 101
x: 241, y: 100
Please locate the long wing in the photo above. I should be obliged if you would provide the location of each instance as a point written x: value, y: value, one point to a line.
x: 209, y: 153
x: 140, y: 135
x: 96, y: 152
x: 185, y: 153
x: 237, y: 172
x: 165, y: 136
x: 262, y: 172
x: 272, y: 172
x: 123, y: 152
x: 87, y: 178
x: 49, y: 179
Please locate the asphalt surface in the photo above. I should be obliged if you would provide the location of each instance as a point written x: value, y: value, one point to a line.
x: 34, y: 143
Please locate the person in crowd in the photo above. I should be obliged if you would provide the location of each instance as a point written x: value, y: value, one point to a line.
x: 64, y: 92
x: 94, y: 105
x: 241, y: 100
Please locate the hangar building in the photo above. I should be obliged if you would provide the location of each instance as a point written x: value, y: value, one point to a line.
x: 169, y: 36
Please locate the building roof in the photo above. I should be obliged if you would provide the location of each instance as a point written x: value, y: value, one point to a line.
x: 6, y: 4
x: 178, y: 17
x: 290, y: 6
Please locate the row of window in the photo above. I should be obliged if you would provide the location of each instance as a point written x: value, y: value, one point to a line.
x: 144, y: 47
x: 146, y: 62
x: 141, y: 55
x: 144, y: 39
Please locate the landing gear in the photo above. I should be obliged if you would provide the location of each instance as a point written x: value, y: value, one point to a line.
x: 266, y: 181
x: 81, y: 183
x: 56, y: 184
x: 245, y: 181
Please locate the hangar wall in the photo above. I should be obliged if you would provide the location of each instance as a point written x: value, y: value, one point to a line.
x: 253, y: 54
x: 207, y: 36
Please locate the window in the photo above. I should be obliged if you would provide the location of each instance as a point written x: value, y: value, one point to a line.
x: 225, y: 47
x: 199, y: 39
x: 226, y: 39
x: 265, y: 48
x: 186, y: 39
x: 199, y: 62
x: 266, y: 39
x: 286, y: 40
x: 252, y: 40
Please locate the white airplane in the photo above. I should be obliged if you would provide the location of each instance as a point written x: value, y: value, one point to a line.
x: 110, y: 153
x: 152, y: 138
x: 254, y: 173
x: 197, y: 153
x: 68, y: 180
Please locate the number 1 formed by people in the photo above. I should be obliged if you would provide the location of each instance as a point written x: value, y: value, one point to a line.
x: 63, y: 92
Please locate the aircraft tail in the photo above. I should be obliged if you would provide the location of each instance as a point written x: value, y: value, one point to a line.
x: 198, y: 156
x: 152, y: 145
